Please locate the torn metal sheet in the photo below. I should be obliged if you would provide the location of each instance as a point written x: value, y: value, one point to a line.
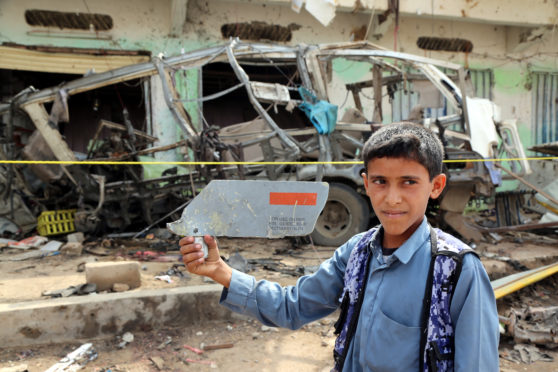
x: 258, y: 209
x: 272, y: 93
x: 322, y: 10
x: 534, y: 325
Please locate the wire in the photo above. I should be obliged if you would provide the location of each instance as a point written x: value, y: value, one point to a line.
x: 350, y: 162
x: 212, y: 96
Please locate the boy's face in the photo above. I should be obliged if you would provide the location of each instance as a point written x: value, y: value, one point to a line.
x: 399, y: 189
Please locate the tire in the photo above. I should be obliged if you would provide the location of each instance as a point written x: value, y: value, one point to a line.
x: 345, y: 214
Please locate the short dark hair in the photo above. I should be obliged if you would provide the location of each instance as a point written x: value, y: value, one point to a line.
x: 406, y: 140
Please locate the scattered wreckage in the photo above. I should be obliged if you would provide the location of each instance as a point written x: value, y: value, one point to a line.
x: 273, y: 108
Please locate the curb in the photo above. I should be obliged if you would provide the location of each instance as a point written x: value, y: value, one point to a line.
x: 105, y: 315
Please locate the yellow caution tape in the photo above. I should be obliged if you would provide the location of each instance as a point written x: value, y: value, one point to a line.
x: 107, y: 162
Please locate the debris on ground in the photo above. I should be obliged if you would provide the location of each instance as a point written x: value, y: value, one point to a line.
x: 238, y: 262
x: 217, y: 347
x: 158, y: 362
x: 79, y: 290
x: 31, y: 242
x: 535, y: 325
x: 193, y: 349
x: 72, y: 249
x: 126, y: 338
x: 51, y: 246
x: 164, y: 278
x: 75, y: 360
x: 162, y: 345
x: 527, y: 354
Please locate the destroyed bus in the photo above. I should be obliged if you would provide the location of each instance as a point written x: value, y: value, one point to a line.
x: 241, y: 111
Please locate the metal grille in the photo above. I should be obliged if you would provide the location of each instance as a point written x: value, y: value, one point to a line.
x: 545, y: 107
x: 70, y: 20
x: 483, y: 81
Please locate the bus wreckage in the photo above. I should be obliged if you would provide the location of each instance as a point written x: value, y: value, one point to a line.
x: 292, y: 112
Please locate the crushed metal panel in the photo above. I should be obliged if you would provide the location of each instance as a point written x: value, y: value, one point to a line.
x: 271, y: 93
x: 484, y: 138
x: 37, y: 149
x: 59, y: 147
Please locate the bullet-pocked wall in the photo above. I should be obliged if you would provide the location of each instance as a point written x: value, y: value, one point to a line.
x: 511, y: 46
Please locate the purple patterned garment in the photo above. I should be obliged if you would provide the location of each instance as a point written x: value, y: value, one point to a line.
x: 354, y: 280
x: 438, y: 354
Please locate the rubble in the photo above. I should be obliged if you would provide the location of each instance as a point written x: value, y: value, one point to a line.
x: 164, y: 278
x: 77, y: 237
x: 76, y: 359
x: 535, y: 325
x: 158, y: 362
x: 236, y: 261
x: 217, y: 347
x: 51, y: 246
x: 30, y: 242
x: 72, y: 249
x: 527, y: 354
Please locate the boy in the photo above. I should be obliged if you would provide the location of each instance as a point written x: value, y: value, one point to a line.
x: 403, y: 169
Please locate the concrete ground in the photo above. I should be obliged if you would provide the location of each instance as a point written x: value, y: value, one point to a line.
x: 164, y: 317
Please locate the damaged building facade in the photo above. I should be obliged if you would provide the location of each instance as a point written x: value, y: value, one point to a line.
x: 190, y: 94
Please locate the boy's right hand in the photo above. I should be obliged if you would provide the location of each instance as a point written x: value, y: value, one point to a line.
x: 212, y: 266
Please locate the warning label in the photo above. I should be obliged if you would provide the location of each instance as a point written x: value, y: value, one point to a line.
x: 287, y: 224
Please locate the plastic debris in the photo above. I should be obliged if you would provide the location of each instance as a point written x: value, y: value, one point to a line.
x: 31, y: 242
x: 75, y: 360
x: 165, y: 278
x: 51, y: 246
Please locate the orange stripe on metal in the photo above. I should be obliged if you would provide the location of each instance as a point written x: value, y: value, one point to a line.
x: 293, y: 198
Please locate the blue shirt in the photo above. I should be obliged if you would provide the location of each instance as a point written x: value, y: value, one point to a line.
x: 387, y: 337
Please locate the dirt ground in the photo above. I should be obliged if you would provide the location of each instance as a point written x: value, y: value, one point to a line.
x: 255, y: 348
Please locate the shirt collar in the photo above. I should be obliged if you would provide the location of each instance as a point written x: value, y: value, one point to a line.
x: 406, y: 251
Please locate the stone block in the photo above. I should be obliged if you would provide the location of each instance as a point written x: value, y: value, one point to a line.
x: 76, y: 237
x: 72, y: 249
x: 106, y: 274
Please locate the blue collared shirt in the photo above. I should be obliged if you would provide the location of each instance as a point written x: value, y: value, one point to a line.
x: 387, y: 337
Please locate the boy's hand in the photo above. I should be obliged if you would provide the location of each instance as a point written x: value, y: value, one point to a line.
x: 212, y: 266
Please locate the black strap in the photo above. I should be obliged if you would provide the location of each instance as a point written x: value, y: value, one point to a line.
x: 427, y: 295
x: 434, y: 351
x: 340, y: 359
